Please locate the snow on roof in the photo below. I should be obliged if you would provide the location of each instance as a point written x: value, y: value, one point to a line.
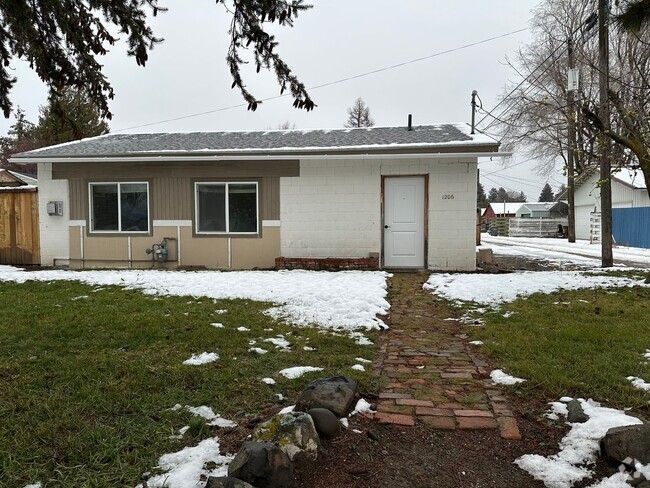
x: 631, y: 177
x: 539, y: 206
x: 506, y: 208
x: 372, y: 138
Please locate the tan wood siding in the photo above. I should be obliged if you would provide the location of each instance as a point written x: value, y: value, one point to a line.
x: 270, y: 198
x: 171, y: 197
x: 78, y: 200
x: 217, y: 169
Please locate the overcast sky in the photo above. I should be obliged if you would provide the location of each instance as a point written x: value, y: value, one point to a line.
x: 335, y: 40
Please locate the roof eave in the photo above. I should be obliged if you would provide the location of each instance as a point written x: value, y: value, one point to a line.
x: 271, y: 156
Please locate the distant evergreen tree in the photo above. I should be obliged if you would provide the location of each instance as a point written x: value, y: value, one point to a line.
x: 359, y: 115
x: 493, y: 195
x: 481, y: 198
x: 70, y: 117
x: 547, y: 194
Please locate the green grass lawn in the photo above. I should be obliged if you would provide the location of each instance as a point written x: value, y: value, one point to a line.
x: 87, y: 383
x: 578, y: 343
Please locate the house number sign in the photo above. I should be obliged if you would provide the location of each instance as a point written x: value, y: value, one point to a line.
x: 448, y: 196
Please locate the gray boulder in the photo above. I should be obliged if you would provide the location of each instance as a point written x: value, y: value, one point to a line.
x: 226, y: 482
x: 630, y: 441
x: 294, y: 433
x: 576, y: 413
x: 335, y: 394
x: 262, y: 465
x: 327, y: 424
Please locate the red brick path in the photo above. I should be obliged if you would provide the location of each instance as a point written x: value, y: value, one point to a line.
x: 434, y: 375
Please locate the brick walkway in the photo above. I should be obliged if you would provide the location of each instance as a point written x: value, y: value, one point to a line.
x: 436, y: 376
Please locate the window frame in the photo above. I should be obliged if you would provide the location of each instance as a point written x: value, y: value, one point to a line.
x: 227, y: 232
x: 91, y: 215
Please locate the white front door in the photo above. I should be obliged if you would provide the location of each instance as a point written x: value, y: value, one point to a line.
x: 404, y: 222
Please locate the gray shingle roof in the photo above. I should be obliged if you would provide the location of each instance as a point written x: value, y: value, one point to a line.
x: 276, y: 141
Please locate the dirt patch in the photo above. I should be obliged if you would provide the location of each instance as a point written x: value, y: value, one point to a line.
x: 389, y: 456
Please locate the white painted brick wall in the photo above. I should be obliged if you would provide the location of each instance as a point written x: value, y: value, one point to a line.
x: 54, y: 229
x: 333, y: 209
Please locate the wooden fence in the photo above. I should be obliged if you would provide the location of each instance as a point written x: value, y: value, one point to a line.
x: 19, y: 240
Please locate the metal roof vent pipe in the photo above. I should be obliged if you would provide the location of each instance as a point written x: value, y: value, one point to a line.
x: 410, y: 126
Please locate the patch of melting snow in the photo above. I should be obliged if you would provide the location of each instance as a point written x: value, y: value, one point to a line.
x: 80, y: 297
x: 501, y: 378
x: 268, y: 381
x: 258, y: 350
x: 639, y: 383
x: 203, y: 358
x: 358, y: 367
x: 345, y: 422
x: 220, y: 311
x: 307, y: 348
x: 476, y: 343
x: 279, y: 342
x: 243, y: 329
x: 578, y: 449
x: 35, y: 485
x: 298, y: 371
x: 187, y: 467
x: 288, y: 409
x: 362, y: 406
x: 218, y: 325
x: 362, y: 360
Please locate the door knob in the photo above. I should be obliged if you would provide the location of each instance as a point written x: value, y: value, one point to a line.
x: 386, y: 226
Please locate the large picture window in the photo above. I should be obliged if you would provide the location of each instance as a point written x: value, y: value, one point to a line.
x: 119, y: 207
x: 226, y: 208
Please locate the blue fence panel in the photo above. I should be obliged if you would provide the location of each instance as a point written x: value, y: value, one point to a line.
x: 631, y: 226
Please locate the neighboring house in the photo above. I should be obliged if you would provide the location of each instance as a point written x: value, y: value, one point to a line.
x: 501, y: 210
x: 542, y: 210
x: 392, y: 197
x: 10, y: 178
x: 628, y: 191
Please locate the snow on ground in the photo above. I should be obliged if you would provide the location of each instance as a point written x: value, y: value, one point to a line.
x: 203, y: 358
x: 363, y: 360
x: 214, y: 419
x: 639, y: 383
x: 494, y: 289
x: 476, y: 343
x: 562, y: 251
x: 501, y: 378
x: 298, y: 371
x: 268, y: 381
x: 579, y: 447
x: 184, y: 469
x: 341, y: 300
x: 279, y: 342
x: 258, y: 350
x: 35, y: 485
x: 358, y: 367
x: 362, y: 406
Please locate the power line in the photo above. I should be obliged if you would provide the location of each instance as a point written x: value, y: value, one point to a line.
x: 330, y: 83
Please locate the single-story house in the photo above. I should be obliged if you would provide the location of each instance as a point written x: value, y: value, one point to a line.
x: 390, y: 197
x: 542, y: 210
x: 628, y: 191
x: 500, y: 210
x: 10, y: 178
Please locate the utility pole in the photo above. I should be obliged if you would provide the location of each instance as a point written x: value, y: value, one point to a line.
x: 572, y: 88
x: 605, y: 166
x: 474, y: 93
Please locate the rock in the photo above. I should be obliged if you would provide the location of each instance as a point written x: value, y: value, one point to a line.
x: 629, y: 441
x: 226, y: 482
x: 335, y: 394
x: 262, y: 465
x: 294, y: 433
x: 327, y: 424
x: 636, y: 479
x: 576, y: 413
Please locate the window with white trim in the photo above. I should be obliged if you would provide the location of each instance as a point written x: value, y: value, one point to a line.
x: 226, y: 208
x: 119, y: 207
